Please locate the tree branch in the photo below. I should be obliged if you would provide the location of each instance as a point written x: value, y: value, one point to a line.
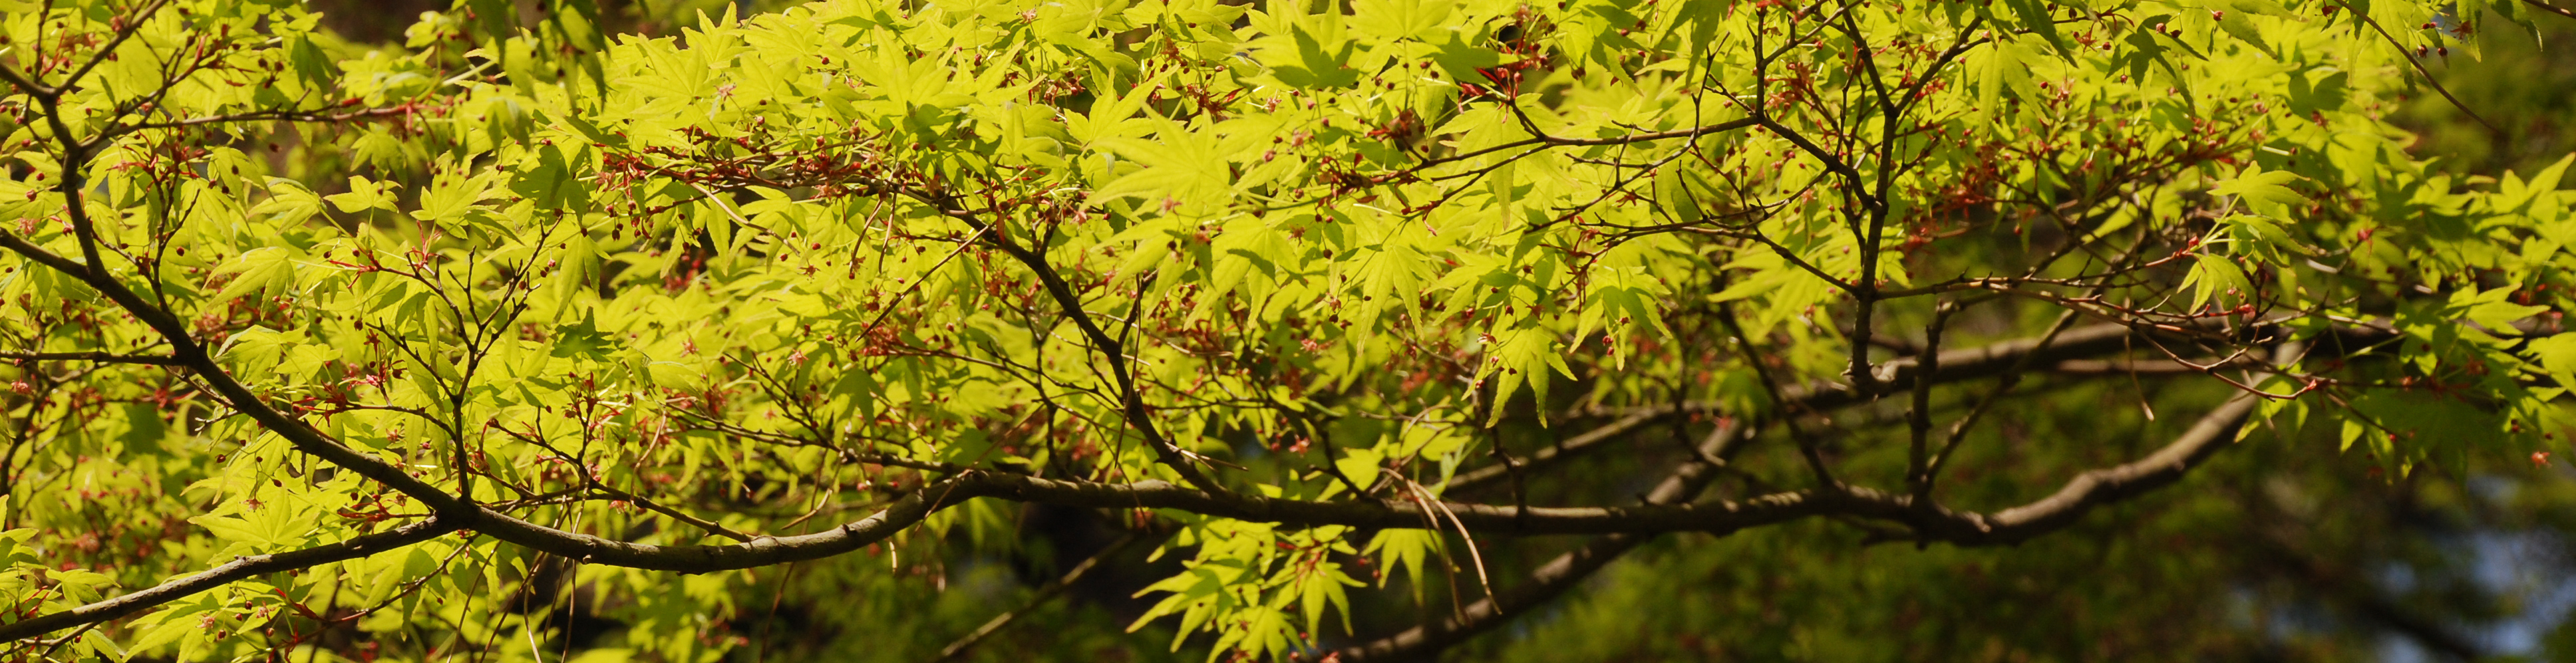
x: 2103, y: 486
x: 2068, y: 354
x: 1559, y: 574
x: 241, y: 567
x: 100, y: 357
x: 2079, y: 496
x: 2429, y: 79
x: 2086, y: 491
x: 1131, y: 401
x: 1995, y: 359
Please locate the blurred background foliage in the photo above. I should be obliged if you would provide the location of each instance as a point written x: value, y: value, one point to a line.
x: 2287, y: 551
x: 2520, y: 79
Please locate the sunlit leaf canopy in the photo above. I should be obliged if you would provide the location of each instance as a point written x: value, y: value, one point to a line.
x: 349, y: 351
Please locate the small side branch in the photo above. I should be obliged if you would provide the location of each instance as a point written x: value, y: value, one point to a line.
x: 1557, y: 575
x: 99, y: 357
x: 2429, y: 79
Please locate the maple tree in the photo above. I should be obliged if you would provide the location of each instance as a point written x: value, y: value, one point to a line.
x: 331, y: 350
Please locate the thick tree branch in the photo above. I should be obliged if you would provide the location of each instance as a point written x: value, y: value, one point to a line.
x: 2213, y: 432
x: 2011, y: 525
x: 462, y: 512
x: 2078, y: 496
x: 241, y: 567
x: 2070, y: 502
x: 1933, y: 523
